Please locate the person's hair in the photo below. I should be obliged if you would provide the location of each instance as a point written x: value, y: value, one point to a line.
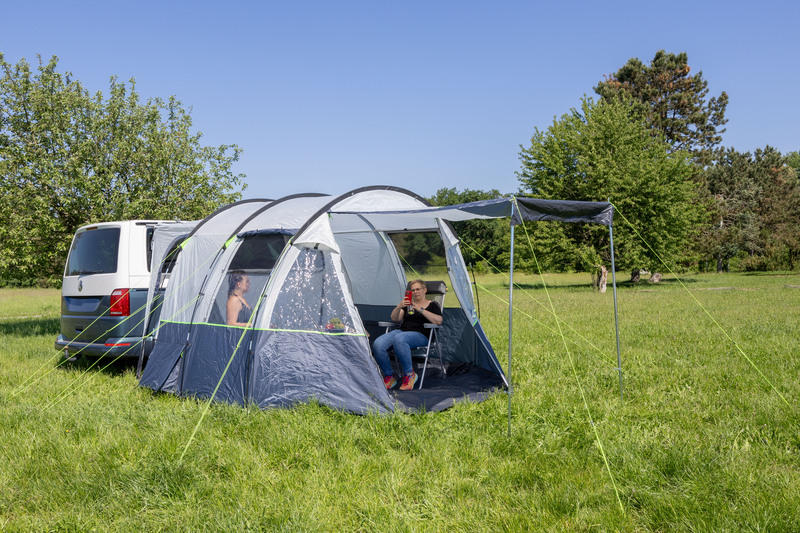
x: 233, y: 280
x: 413, y: 281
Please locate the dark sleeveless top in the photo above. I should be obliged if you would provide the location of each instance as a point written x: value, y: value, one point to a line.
x: 417, y: 321
x: 244, y: 313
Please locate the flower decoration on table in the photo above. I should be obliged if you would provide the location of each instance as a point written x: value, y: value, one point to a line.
x: 334, y: 325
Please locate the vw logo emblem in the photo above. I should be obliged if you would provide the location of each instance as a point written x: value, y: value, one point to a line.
x: 80, y: 285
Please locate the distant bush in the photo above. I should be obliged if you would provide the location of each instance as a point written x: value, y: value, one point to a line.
x: 51, y: 282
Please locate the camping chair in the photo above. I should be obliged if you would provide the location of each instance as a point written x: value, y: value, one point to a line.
x: 436, y: 292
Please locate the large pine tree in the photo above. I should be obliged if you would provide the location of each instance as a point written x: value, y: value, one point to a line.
x: 673, y: 102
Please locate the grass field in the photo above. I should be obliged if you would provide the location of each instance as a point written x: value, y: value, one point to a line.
x: 707, y: 437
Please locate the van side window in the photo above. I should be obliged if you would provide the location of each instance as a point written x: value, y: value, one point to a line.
x: 94, y: 251
x: 149, y: 245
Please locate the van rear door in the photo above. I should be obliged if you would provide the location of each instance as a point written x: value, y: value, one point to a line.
x: 91, y: 275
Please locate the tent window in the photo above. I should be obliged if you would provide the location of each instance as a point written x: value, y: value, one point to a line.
x: 420, y: 253
x: 251, y: 266
x: 312, y: 298
x: 258, y: 252
x: 170, y: 260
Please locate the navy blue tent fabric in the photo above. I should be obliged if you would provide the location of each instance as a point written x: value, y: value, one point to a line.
x: 520, y: 209
x: 162, y: 371
x: 535, y: 209
x: 217, y: 357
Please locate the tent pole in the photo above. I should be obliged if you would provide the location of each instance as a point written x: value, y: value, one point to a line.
x: 510, y: 321
x: 616, y: 314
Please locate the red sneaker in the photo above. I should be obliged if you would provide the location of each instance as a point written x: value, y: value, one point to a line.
x: 389, y: 382
x: 409, y: 380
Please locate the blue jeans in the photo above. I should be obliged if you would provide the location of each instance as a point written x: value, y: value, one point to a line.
x: 402, y: 342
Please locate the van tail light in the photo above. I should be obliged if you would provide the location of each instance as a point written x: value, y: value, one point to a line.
x: 120, y: 302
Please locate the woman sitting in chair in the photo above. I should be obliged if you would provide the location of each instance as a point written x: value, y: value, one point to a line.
x: 412, y: 314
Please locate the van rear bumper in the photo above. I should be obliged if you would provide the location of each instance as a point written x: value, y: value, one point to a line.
x: 122, y: 347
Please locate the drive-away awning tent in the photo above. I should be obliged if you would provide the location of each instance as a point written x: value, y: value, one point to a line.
x: 310, y: 259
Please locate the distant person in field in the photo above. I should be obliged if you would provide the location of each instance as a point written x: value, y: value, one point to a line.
x: 412, y: 314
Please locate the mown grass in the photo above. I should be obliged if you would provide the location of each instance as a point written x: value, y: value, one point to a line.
x: 701, y: 441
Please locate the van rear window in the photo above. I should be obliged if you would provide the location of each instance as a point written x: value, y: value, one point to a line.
x: 94, y: 251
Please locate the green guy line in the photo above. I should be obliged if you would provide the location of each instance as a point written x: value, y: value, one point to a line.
x: 736, y: 344
x: 577, y: 380
x: 528, y: 294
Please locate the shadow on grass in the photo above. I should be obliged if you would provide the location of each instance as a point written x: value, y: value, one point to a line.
x: 780, y: 274
x: 107, y: 365
x: 620, y: 284
x: 30, y: 327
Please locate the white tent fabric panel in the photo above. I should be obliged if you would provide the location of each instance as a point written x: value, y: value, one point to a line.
x: 163, y: 237
x: 344, y: 215
x: 344, y: 282
x: 318, y: 235
x: 461, y: 284
x: 214, y: 283
x: 189, y: 275
x: 290, y: 214
x: 375, y: 272
x: 223, y: 222
x: 196, y: 259
x: 378, y: 200
x: 276, y: 280
x: 306, y: 291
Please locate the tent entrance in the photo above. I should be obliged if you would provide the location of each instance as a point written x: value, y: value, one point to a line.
x: 470, y: 373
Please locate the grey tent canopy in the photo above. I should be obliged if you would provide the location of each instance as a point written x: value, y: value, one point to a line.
x: 311, y: 259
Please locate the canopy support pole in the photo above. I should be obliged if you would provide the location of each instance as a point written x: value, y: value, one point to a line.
x: 510, y: 319
x: 616, y: 313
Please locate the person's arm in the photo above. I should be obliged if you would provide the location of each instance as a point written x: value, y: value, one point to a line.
x: 233, y: 308
x: 431, y: 315
x: 398, y: 312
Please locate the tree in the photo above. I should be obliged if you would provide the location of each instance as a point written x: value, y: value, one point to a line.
x: 793, y: 161
x: 673, y: 102
x: 605, y: 150
x: 69, y: 158
x: 485, y: 242
x: 755, y: 208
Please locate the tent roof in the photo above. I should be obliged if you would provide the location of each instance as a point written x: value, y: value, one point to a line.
x: 393, y: 209
x: 519, y: 209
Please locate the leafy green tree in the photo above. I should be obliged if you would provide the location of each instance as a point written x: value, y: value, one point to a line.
x: 755, y: 209
x: 673, y: 101
x: 68, y: 158
x: 793, y: 161
x: 484, y: 242
x: 605, y: 150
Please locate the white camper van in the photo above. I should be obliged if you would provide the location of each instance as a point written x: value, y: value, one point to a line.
x: 104, y: 290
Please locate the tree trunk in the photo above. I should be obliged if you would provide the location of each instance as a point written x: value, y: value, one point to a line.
x: 636, y: 275
x: 602, y: 279
x: 719, y: 264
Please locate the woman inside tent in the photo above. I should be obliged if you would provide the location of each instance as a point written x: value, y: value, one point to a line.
x: 238, y: 310
x: 412, y: 313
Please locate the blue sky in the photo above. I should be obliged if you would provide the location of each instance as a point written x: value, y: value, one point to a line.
x: 329, y: 96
